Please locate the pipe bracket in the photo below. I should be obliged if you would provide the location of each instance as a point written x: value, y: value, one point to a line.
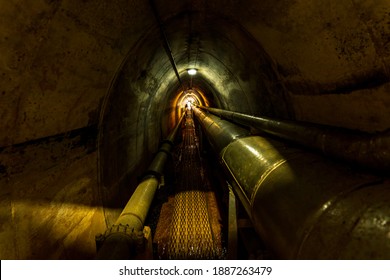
x: 135, y: 237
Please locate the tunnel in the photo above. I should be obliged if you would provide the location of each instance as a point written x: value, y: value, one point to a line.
x: 253, y: 90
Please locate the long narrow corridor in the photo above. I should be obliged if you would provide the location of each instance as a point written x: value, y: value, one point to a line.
x: 195, y: 230
x: 291, y: 105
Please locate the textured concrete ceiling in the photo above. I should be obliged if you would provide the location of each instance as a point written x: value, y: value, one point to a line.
x: 73, y: 67
x: 288, y: 58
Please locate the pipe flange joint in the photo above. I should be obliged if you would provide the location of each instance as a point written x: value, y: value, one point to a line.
x: 136, y: 237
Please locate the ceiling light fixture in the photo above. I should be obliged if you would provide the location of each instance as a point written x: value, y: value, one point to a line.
x: 191, y: 71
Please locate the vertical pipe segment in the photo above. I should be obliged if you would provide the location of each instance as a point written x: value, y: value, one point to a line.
x: 303, y: 205
x: 125, y: 238
x: 363, y: 149
x: 232, y: 227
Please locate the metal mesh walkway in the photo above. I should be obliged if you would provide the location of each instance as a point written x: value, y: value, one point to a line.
x: 191, y: 233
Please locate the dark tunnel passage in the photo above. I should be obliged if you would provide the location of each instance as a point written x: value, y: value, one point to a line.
x: 296, y: 148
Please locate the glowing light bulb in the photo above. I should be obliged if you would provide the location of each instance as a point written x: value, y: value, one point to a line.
x: 191, y: 71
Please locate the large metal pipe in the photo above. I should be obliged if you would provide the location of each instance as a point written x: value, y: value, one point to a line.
x: 125, y: 237
x: 158, y: 163
x: 303, y: 205
x: 367, y: 150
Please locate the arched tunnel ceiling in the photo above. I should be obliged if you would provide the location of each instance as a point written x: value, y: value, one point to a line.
x: 59, y: 58
x: 234, y: 68
x: 75, y: 71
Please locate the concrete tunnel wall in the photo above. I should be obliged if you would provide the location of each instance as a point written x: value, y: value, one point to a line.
x: 88, y: 93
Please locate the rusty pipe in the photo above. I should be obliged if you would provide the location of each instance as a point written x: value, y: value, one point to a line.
x: 364, y: 149
x: 125, y: 236
x: 303, y: 205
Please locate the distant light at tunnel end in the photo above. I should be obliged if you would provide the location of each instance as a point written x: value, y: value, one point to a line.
x: 191, y: 71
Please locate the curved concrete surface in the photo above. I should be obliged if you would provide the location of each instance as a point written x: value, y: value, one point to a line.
x: 88, y: 92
